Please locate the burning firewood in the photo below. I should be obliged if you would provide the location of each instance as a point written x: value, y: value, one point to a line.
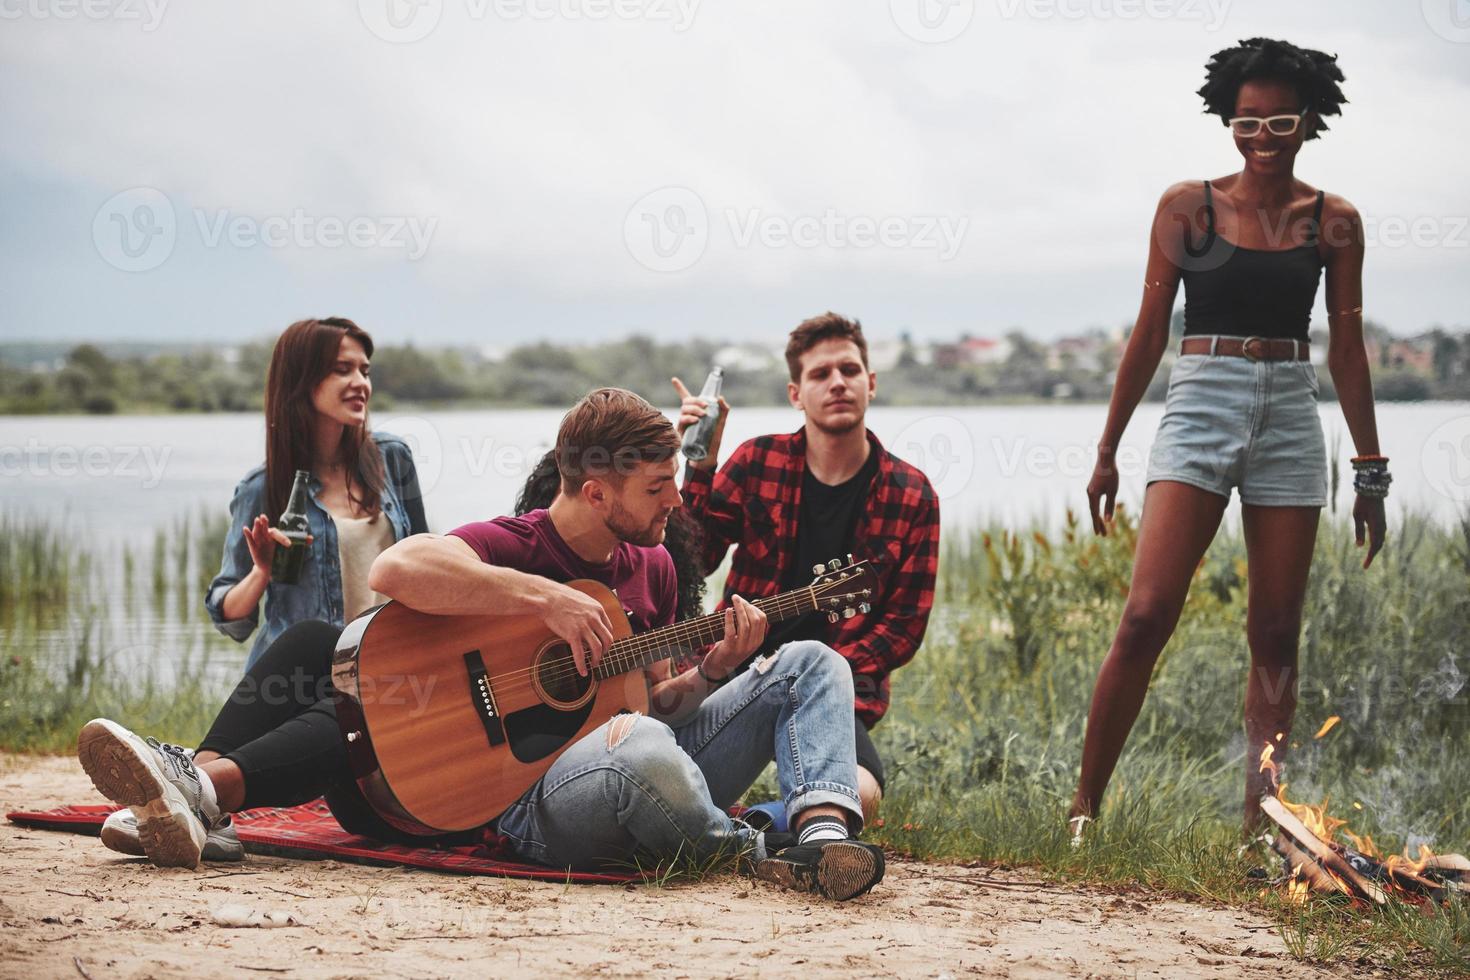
x: 1325, y: 859
x: 1315, y: 861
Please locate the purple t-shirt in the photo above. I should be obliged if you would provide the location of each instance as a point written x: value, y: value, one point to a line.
x: 643, y: 578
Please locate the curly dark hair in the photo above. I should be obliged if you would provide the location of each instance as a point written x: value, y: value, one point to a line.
x: 1313, y: 73
x: 684, y: 539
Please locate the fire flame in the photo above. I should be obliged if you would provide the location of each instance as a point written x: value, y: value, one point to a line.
x: 1316, y: 818
x: 1397, y: 864
x: 1325, y: 827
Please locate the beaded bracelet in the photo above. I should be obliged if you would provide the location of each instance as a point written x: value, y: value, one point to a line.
x: 1371, y: 477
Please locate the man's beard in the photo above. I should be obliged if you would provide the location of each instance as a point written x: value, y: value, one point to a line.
x: 839, y: 429
x: 621, y: 523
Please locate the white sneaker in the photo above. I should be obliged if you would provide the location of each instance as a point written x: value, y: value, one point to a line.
x: 174, y: 807
x: 222, y: 843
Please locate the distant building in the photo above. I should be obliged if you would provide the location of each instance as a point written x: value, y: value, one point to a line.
x: 1415, y: 354
x: 1076, y: 353
x: 884, y: 355
x: 749, y: 357
x: 972, y: 351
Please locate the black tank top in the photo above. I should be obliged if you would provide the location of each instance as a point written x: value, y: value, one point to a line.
x: 1249, y: 292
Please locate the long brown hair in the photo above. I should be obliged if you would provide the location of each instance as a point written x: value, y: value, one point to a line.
x: 304, y: 355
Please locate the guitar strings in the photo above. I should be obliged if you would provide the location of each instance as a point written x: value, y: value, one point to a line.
x: 635, y: 648
x: 613, y: 664
x: 631, y: 656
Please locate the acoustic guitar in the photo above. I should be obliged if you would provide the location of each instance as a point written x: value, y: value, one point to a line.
x: 448, y: 720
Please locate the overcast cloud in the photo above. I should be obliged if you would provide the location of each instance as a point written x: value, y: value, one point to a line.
x: 487, y: 171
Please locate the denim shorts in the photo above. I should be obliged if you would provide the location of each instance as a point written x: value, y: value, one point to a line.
x: 1233, y: 422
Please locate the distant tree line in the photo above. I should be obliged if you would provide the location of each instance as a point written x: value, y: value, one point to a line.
x: 88, y: 379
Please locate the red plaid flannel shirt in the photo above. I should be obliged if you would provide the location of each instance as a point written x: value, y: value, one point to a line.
x: 754, y: 502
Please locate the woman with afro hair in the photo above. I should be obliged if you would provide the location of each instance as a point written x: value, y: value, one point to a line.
x: 1241, y: 408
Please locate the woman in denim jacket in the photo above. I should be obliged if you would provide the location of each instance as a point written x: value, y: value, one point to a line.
x: 364, y: 491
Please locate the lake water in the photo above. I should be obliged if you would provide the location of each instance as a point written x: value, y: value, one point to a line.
x: 116, y: 479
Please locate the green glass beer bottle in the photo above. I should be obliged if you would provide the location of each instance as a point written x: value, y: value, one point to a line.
x: 286, y: 562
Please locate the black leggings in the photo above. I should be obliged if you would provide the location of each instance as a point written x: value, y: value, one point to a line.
x: 280, y: 727
x: 280, y: 723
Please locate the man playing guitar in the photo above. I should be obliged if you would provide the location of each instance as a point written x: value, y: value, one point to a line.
x: 789, y: 501
x: 653, y: 784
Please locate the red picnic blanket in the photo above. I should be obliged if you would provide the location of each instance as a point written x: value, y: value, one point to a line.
x: 309, y: 831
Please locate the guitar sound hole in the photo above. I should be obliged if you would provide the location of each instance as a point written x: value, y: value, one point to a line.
x: 557, y: 677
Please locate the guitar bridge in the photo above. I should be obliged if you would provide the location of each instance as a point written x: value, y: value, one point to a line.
x: 484, y: 698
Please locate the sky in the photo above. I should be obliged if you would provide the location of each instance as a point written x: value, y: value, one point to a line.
x: 490, y: 172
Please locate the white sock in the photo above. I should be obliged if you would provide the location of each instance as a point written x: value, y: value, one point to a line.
x: 207, y: 795
x: 822, y: 828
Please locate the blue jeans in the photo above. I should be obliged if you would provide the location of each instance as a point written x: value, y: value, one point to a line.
x: 635, y: 784
x: 1253, y: 425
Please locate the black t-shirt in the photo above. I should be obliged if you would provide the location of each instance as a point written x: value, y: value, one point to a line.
x: 824, y: 530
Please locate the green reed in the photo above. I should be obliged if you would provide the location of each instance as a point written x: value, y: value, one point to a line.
x: 121, y: 633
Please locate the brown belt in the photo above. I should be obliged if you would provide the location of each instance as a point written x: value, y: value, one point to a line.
x: 1250, y: 348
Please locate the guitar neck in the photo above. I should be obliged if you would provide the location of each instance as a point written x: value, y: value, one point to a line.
x: 636, y: 652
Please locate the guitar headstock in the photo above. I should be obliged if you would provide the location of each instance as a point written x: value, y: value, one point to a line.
x: 843, y: 591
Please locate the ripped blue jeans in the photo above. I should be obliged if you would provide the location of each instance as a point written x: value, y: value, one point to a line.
x: 635, y: 784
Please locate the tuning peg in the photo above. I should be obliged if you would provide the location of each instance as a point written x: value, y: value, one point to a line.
x: 832, y: 617
x: 863, y: 607
x: 833, y: 565
x: 818, y: 568
x: 849, y: 558
x: 849, y: 612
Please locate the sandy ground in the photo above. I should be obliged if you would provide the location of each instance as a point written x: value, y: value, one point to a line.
x: 70, y: 908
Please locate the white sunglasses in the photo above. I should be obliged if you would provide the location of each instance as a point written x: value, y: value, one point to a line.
x: 1284, y: 125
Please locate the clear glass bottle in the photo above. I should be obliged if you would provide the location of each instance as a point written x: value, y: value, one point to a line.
x: 697, y: 437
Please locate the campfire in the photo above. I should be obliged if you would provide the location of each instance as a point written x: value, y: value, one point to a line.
x: 1315, y: 860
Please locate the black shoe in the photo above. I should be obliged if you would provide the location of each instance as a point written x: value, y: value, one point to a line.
x: 835, y: 869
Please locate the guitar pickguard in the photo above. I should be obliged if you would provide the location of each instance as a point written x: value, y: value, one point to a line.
x: 538, y: 731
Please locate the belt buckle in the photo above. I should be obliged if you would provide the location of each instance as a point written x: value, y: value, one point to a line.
x: 1245, y: 348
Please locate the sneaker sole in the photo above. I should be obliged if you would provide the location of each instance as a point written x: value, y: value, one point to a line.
x: 845, y: 870
x: 167, y: 831
x: 122, y: 842
x: 126, y: 842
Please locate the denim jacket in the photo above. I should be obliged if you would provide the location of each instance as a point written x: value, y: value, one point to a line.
x: 318, y: 593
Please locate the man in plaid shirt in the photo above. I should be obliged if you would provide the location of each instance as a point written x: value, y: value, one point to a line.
x: 788, y: 502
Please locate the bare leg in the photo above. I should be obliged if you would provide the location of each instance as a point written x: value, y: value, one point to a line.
x: 229, y: 783
x: 870, y: 793
x: 1279, y: 543
x: 208, y: 755
x: 1179, y: 522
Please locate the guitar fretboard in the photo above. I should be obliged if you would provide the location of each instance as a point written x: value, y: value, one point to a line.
x: 636, y: 652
